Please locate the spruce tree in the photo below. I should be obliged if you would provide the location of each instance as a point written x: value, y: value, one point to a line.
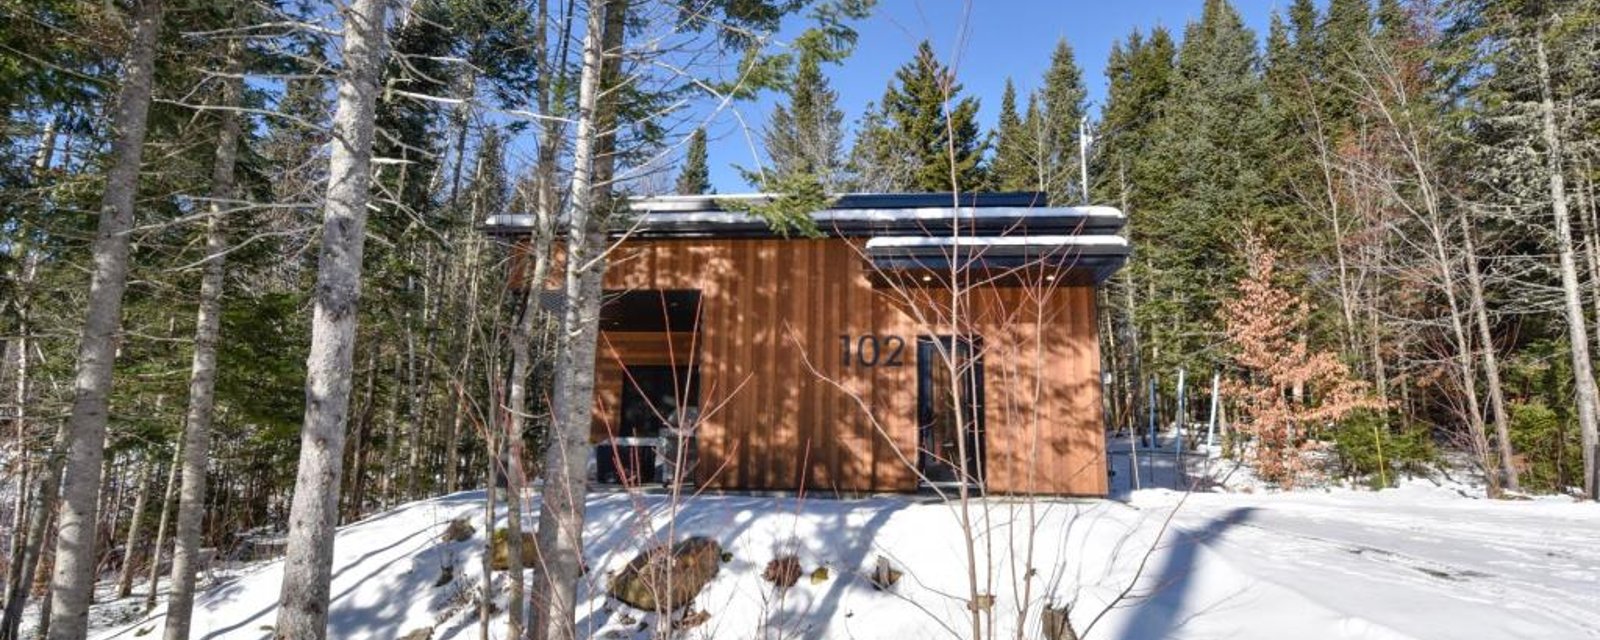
x: 938, y: 127
x: 882, y: 160
x: 806, y: 136
x: 1012, y: 166
x: 695, y: 179
x: 1345, y: 39
x: 1214, y: 133
x: 1064, y: 96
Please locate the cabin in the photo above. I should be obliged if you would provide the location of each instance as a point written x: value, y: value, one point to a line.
x: 917, y: 341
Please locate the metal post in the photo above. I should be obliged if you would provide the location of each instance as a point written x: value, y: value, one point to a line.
x: 1083, y: 156
x: 1178, y: 422
x: 1153, y: 444
x: 1216, y: 394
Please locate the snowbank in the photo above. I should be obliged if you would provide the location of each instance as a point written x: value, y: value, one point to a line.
x: 1403, y: 563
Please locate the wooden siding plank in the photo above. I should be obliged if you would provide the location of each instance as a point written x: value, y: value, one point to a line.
x: 752, y: 289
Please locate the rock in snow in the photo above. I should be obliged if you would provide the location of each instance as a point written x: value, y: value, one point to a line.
x: 662, y: 579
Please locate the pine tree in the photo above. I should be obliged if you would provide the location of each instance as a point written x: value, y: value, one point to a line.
x: 695, y: 179
x: 938, y: 127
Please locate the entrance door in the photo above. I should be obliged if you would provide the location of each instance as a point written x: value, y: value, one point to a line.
x: 950, y: 410
x: 656, y: 402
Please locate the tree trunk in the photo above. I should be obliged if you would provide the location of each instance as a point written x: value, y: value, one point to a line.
x: 303, y: 603
x: 391, y: 438
x: 1577, y: 331
x: 486, y: 584
x: 19, y: 417
x: 412, y: 421
x: 358, y: 450
x: 560, y: 537
x: 1591, y: 240
x: 72, y: 584
x: 45, y: 499
x: 538, y: 252
x: 1491, y: 360
x: 203, y: 372
x: 154, y: 579
x: 125, y: 580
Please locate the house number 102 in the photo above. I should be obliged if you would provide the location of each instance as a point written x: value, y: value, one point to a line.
x: 872, y: 351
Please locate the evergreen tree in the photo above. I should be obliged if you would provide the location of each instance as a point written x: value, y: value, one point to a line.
x: 1140, y: 75
x: 1524, y: 81
x: 1214, y: 133
x: 1345, y: 42
x: 937, y: 126
x: 1012, y: 166
x: 695, y: 179
x: 882, y: 160
x: 1064, y: 96
x: 806, y: 136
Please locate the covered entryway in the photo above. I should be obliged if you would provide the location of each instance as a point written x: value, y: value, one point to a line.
x: 648, y: 385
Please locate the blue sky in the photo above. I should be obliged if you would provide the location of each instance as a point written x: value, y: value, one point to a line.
x: 987, y: 40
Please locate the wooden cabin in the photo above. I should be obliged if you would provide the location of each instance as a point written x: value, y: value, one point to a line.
x: 915, y: 333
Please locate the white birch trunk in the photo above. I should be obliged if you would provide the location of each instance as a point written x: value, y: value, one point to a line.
x: 72, y: 583
x: 1577, y: 330
x: 303, y: 602
x: 560, y: 536
x: 203, y: 372
x: 1491, y: 361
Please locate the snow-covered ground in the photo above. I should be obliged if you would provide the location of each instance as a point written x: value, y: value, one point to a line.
x: 1415, y: 562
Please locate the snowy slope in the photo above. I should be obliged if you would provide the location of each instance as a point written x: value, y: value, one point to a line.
x: 1408, y: 563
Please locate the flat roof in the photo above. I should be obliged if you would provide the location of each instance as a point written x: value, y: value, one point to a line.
x: 854, y: 215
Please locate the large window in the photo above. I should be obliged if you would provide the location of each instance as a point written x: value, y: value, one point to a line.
x: 655, y: 398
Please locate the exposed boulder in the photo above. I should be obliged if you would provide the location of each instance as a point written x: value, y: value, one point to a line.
x: 662, y: 579
x: 500, y: 558
x: 458, y: 529
x: 425, y: 633
x: 884, y: 575
x: 783, y: 571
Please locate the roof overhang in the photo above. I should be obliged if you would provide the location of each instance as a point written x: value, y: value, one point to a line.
x: 1080, y: 258
x: 850, y: 215
x: 907, y: 235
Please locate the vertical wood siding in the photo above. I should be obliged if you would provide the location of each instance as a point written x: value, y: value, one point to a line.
x: 781, y: 410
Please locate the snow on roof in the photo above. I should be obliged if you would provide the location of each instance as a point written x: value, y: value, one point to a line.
x: 854, y: 214
x: 903, y: 242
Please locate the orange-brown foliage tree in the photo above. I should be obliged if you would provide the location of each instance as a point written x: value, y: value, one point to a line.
x: 1286, y: 392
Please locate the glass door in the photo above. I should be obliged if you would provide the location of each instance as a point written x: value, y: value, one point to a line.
x: 658, y: 403
x: 950, y: 410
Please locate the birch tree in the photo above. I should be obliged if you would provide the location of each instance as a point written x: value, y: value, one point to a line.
x: 72, y: 583
x: 203, y: 371
x: 303, y: 603
x: 560, y: 534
